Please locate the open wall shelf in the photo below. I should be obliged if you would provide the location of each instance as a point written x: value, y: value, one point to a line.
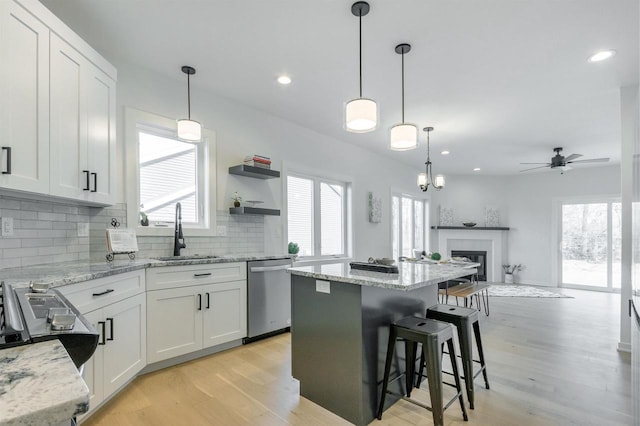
x: 254, y: 172
x: 254, y: 210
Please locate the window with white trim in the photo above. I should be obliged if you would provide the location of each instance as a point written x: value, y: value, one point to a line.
x: 163, y: 170
x: 409, y: 225
x: 317, y: 210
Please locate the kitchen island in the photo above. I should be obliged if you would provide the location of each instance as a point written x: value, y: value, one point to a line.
x: 340, y: 328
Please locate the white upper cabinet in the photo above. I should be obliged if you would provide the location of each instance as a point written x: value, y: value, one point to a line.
x: 57, y: 108
x: 24, y: 100
x: 82, y: 127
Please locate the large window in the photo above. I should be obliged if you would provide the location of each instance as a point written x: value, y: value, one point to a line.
x: 317, y: 215
x: 163, y: 170
x: 409, y: 225
x: 591, y: 244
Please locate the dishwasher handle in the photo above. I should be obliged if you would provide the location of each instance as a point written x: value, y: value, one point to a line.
x: 269, y: 268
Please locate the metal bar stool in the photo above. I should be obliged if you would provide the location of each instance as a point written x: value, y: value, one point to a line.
x: 465, y: 319
x: 432, y: 335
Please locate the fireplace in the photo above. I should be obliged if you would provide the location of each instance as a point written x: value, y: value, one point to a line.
x: 475, y: 256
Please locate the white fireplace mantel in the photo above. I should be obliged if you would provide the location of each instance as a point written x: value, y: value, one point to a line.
x: 493, y: 241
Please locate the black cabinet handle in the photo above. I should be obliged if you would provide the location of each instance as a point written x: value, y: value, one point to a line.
x: 95, y: 182
x: 208, y: 304
x: 199, y: 302
x: 86, y: 176
x: 8, y: 149
x: 107, y: 291
x: 110, y: 328
x: 102, y: 325
x: 202, y: 275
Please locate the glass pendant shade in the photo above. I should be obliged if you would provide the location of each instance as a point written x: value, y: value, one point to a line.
x: 439, y: 182
x: 403, y: 137
x: 189, y: 130
x: 422, y: 179
x: 361, y: 115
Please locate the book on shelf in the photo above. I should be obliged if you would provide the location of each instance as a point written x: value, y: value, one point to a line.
x: 258, y: 159
x: 256, y: 164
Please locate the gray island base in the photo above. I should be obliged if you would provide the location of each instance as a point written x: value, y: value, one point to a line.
x: 339, y: 338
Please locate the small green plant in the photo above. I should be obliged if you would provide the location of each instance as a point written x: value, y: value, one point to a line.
x: 236, y: 197
x: 293, y: 248
x: 435, y: 256
x: 144, y: 219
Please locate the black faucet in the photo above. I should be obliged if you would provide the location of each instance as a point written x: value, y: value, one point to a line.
x: 177, y: 245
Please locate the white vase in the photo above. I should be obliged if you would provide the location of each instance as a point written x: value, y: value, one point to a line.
x: 508, y: 278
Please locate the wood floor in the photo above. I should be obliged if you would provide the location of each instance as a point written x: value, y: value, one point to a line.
x: 550, y: 362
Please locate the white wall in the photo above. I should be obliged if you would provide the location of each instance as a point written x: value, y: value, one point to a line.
x: 525, y: 203
x: 241, y: 130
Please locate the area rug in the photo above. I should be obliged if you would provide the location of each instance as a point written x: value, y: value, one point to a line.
x: 522, y: 291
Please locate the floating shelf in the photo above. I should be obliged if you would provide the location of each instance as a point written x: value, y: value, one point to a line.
x: 254, y: 210
x: 254, y: 172
x: 471, y: 228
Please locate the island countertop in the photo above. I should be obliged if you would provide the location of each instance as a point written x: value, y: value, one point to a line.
x: 40, y: 385
x: 410, y: 276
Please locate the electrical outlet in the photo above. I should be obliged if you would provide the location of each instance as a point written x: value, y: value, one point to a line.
x: 83, y: 229
x: 7, y: 226
x: 323, y: 286
x: 221, y: 231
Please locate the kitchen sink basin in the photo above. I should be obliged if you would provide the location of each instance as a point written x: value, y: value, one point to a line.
x: 189, y: 257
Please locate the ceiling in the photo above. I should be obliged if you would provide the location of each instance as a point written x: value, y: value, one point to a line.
x: 502, y: 81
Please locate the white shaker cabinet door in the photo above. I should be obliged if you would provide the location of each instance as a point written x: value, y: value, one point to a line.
x: 125, y: 349
x: 225, y: 312
x: 24, y: 100
x: 174, y: 319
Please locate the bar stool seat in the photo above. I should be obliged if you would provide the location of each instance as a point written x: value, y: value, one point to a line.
x: 465, y: 320
x: 432, y: 335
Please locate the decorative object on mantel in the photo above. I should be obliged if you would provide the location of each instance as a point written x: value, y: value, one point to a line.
x: 375, y: 208
x: 189, y: 129
x: 360, y: 114
x: 425, y: 179
x: 469, y: 224
x: 475, y: 228
x: 501, y: 290
x: 403, y: 136
x: 446, y: 216
x: 236, y: 199
x: 509, y: 271
x: 491, y: 216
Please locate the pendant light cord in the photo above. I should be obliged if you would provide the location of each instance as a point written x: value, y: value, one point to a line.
x: 189, y: 95
x: 403, y: 86
x: 360, y: 38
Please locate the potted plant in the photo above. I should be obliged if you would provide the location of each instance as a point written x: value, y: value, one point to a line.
x: 509, y: 271
x: 236, y: 199
x: 144, y: 219
x: 293, y: 249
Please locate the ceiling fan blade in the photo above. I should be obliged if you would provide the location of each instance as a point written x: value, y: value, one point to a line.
x: 533, y: 168
x: 572, y: 157
x: 592, y: 160
x: 546, y: 164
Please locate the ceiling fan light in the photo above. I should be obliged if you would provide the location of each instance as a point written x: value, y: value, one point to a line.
x: 361, y: 115
x: 439, y: 182
x: 403, y: 137
x: 189, y: 130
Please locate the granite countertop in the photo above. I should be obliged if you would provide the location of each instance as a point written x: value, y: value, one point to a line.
x: 60, y: 274
x: 40, y: 385
x: 409, y: 277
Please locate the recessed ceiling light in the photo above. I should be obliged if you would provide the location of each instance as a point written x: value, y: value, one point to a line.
x: 445, y: 153
x: 477, y: 169
x: 602, y: 55
x: 284, y: 80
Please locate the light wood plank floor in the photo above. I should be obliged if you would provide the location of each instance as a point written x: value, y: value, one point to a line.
x: 550, y: 362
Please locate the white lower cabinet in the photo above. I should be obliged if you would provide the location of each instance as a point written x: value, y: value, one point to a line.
x: 191, y: 317
x: 120, y: 319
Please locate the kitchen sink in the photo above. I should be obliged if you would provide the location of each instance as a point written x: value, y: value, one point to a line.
x: 189, y: 257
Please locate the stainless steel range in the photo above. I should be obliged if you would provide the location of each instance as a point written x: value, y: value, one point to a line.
x: 38, y: 313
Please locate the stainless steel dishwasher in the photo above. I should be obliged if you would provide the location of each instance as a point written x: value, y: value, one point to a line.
x: 268, y: 298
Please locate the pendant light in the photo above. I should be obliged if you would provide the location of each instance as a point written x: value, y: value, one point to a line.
x: 403, y: 136
x: 425, y: 179
x: 361, y: 114
x: 189, y: 129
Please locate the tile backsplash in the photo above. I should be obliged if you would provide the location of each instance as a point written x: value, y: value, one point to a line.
x: 47, y: 232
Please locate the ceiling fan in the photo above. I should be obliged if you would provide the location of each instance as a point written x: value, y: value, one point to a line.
x: 562, y: 162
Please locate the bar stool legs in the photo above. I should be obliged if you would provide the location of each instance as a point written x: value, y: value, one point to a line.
x: 432, y: 335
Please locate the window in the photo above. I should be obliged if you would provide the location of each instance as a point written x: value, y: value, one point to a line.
x: 317, y: 215
x: 409, y: 220
x: 163, y: 170
x: 591, y: 244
